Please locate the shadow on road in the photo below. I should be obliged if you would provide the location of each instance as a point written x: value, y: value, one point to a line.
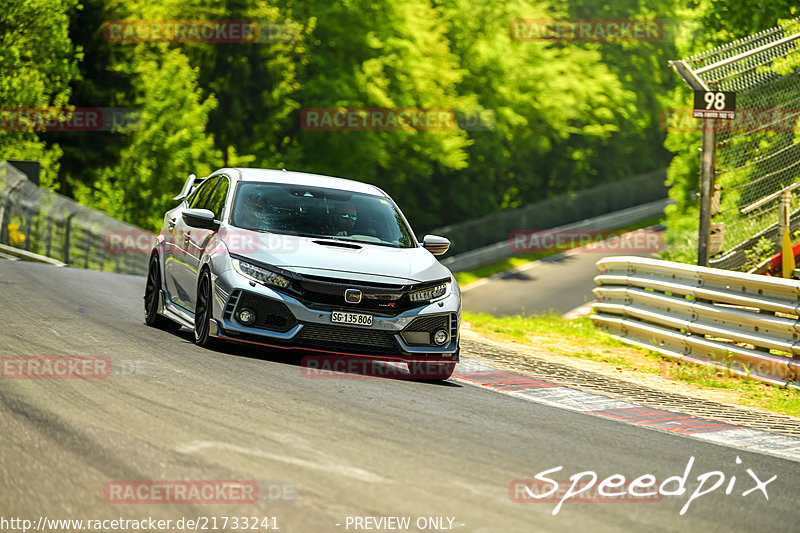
x: 321, y: 365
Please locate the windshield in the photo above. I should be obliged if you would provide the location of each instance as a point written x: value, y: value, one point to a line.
x: 319, y: 212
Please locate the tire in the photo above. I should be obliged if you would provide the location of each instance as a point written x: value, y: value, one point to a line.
x: 151, y: 295
x: 431, y: 371
x: 202, y: 311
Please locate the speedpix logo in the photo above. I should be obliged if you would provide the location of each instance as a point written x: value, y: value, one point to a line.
x: 584, y: 487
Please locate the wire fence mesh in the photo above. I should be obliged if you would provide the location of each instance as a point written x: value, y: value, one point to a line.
x: 44, y: 222
x: 758, y: 152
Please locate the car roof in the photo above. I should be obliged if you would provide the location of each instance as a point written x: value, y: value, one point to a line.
x: 304, y: 178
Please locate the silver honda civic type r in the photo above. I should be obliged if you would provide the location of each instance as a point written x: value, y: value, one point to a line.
x: 295, y: 260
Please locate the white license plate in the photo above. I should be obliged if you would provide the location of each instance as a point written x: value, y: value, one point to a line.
x: 355, y: 319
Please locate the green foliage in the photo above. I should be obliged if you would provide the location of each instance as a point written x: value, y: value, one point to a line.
x: 37, y: 61
x: 567, y: 115
x: 722, y: 21
x: 763, y: 249
x: 364, y: 54
x: 166, y: 144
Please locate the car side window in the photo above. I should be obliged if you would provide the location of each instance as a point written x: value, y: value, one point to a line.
x: 216, y: 203
x: 199, y: 197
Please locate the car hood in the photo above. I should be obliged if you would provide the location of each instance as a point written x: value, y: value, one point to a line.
x: 332, y: 258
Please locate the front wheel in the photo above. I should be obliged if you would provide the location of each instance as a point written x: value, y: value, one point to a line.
x: 152, y: 291
x: 202, y: 311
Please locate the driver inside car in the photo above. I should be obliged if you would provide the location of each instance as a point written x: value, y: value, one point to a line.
x: 344, y: 219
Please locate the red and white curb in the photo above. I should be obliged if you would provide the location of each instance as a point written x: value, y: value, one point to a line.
x: 547, y: 393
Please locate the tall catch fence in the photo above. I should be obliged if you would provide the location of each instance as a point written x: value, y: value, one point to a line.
x: 757, y: 154
x: 555, y: 212
x: 44, y: 222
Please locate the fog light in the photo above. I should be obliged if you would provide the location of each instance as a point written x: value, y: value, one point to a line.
x: 440, y: 337
x: 246, y: 316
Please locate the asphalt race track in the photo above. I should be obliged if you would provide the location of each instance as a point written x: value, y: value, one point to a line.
x: 323, y: 452
x: 558, y: 284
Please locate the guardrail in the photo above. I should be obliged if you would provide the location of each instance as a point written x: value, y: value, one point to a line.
x: 503, y: 250
x: 555, y: 212
x: 745, y: 323
x: 40, y: 221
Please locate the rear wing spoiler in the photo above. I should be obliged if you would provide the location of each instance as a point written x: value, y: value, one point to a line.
x: 191, y: 184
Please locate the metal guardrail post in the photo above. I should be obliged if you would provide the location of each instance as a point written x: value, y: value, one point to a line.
x: 707, y: 178
x: 28, y: 217
x: 87, y: 244
x: 708, y: 149
x: 3, y: 222
x: 67, y: 232
x: 48, y: 235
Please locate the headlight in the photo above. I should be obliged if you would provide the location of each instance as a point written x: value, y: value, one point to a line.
x: 259, y: 274
x: 430, y: 294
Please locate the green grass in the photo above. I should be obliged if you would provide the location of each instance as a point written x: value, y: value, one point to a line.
x: 518, y: 327
x: 470, y: 276
x: 581, y: 339
x: 465, y: 278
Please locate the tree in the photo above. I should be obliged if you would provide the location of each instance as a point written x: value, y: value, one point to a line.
x: 166, y: 143
x: 388, y: 55
x: 37, y: 62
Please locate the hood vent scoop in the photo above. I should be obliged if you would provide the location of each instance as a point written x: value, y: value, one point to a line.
x: 339, y: 244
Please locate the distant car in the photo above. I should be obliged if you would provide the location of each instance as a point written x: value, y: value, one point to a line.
x: 295, y: 260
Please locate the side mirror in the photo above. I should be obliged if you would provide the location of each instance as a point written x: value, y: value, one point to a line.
x: 200, y: 218
x: 435, y: 244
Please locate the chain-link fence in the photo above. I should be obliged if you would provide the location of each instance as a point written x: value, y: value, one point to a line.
x: 758, y: 152
x: 554, y: 212
x: 46, y: 223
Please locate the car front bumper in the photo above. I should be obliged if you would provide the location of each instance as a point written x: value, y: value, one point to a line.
x: 295, y: 325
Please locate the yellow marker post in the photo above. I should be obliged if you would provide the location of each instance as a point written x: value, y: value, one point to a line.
x: 787, y: 252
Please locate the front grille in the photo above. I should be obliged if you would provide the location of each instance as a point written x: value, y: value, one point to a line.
x: 330, y: 295
x: 377, y: 298
x: 358, y: 340
x: 270, y: 314
x: 429, y: 323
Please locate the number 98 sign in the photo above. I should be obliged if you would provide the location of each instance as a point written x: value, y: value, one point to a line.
x: 714, y: 104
